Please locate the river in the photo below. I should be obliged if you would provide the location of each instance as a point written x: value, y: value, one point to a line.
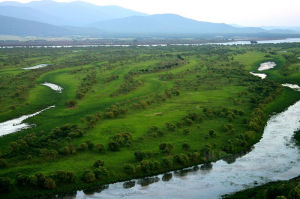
x: 274, y: 157
x: 234, y: 42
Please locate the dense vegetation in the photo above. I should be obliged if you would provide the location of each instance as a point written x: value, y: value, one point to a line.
x: 128, y: 112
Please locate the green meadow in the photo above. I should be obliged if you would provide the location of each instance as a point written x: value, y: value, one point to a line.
x: 129, y: 112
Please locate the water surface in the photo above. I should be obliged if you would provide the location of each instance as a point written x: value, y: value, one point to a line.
x: 275, y: 157
x: 261, y: 75
x: 266, y: 66
x: 36, y: 67
x: 53, y: 87
x: 17, y: 124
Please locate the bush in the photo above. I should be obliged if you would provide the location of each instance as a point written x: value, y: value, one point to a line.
x: 181, y: 159
x: 186, y: 146
x: 100, y: 148
x: 71, y: 103
x: 167, y: 162
x: 64, y: 151
x: 100, y: 172
x: 22, y: 180
x: 166, y: 148
x: 98, y: 163
x: 113, y: 146
x: 83, y: 147
x: 3, y: 163
x: 140, y: 155
x: 90, y: 144
x: 88, y: 176
x: 170, y: 126
x: 40, y: 179
x: 65, y: 176
x: 5, y: 185
x: 49, y: 183
x: 212, y: 133
x: 129, y: 169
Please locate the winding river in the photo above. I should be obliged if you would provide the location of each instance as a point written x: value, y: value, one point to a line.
x: 275, y: 157
x: 17, y: 124
x: 53, y: 87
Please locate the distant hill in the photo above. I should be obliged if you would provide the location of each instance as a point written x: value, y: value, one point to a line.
x: 21, y: 27
x: 168, y: 24
x: 75, y: 13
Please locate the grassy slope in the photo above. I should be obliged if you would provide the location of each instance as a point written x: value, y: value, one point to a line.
x: 136, y: 121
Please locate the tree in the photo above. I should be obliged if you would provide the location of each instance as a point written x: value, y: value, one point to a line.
x: 90, y: 144
x: 100, y: 148
x: 100, y: 172
x: 71, y: 103
x: 166, y: 148
x: 5, y: 185
x: 83, y: 147
x: 129, y: 169
x: 98, y: 163
x: 49, y: 183
x: 186, y: 146
x: 64, y: 176
x: 3, y: 163
x: 88, y: 176
x: 212, y: 133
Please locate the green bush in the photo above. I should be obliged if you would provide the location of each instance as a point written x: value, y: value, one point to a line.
x: 88, y: 176
x: 98, y: 163
x: 5, y: 185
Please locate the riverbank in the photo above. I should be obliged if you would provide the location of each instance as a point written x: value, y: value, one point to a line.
x: 148, y: 112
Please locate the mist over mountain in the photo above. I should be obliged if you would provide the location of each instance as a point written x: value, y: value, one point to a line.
x: 51, y: 18
x: 168, y: 23
x: 75, y: 13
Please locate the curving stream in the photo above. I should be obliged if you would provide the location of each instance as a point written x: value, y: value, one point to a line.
x: 17, y: 124
x: 275, y: 157
x: 53, y: 87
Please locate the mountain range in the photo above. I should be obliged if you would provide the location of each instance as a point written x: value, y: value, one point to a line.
x: 50, y: 18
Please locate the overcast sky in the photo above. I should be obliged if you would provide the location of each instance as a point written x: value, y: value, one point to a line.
x: 242, y: 12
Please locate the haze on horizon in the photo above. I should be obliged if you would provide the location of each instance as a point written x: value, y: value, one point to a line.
x: 245, y: 13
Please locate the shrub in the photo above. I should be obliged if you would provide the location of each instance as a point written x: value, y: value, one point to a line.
x: 170, y: 126
x: 113, y: 146
x: 22, y: 180
x: 98, y: 163
x: 33, y: 181
x: 71, y: 103
x: 90, y: 144
x: 65, y: 176
x: 40, y: 179
x: 212, y: 133
x: 119, y: 140
x: 140, y: 155
x: 166, y: 148
x: 83, y: 147
x: 167, y: 162
x: 88, y: 176
x: 186, y: 146
x: 65, y: 151
x: 49, y: 183
x: 186, y: 131
x: 100, y: 172
x: 100, y: 148
x: 181, y: 159
x: 129, y: 169
x: 5, y: 185
x: 3, y: 163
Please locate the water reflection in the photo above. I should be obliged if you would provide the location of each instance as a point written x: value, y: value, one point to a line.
x: 275, y: 157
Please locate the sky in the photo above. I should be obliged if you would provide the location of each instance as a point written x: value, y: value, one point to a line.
x: 239, y: 12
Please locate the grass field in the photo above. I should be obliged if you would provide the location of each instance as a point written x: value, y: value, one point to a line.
x: 140, y: 110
